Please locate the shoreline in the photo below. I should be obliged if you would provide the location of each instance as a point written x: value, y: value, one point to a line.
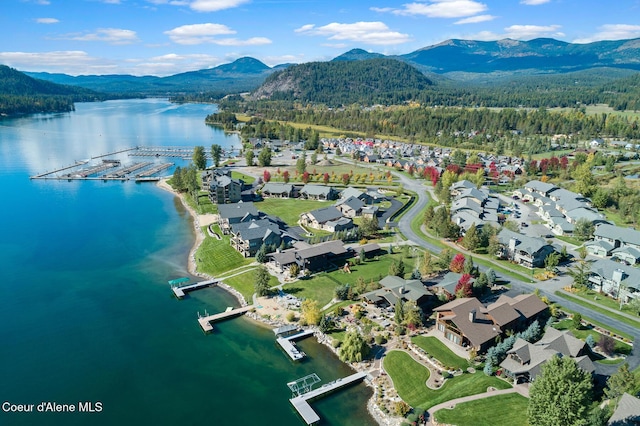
x: 374, y: 411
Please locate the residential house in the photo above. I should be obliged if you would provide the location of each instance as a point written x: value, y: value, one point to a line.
x: 369, y: 212
x: 525, y: 360
x: 468, y: 323
x: 318, y: 192
x: 522, y: 249
x: 247, y: 237
x: 627, y: 413
x: 317, y: 257
x: 446, y: 287
x: 615, y: 279
x: 396, y: 288
x: 539, y: 187
x: 327, y: 218
x: 624, y: 243
x: 277, y: 190
x: 573, y: 216
x: 365, y: 197
x: 235, y: 213
x: 350, y: 207
x: 224, y: 189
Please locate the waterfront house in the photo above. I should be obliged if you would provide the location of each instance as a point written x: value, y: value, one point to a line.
x: 396, y: 288
x: 235, y: 213
x: 318, y: 257
x: 247, y: 237
x: 224, y: 189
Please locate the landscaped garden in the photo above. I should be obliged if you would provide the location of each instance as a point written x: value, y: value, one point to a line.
x: 409, y: 378
x: 440, y: 351
x: 582, y: 333
x: 499, y: 410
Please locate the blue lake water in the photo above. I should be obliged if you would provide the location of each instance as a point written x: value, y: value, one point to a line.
x: 86, y: 313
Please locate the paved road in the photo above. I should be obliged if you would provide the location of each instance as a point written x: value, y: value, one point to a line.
x: 517, y: 286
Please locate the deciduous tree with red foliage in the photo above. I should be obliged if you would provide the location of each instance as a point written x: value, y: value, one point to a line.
x: 266, y: 176
x: 325, y: 178
x: 285, y: 176
x: 464, y: 287
x: 457, y: 263
x: 305, y: 177
x: 346, y: 178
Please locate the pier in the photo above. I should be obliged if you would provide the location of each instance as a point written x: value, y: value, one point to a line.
x: 287, y: 343
x: 61, y: 169
x: 205, y: 322
x: 301, y: 401
x: 180, y: 290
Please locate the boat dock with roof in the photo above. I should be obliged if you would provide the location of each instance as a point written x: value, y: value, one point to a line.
x: 301, y: 388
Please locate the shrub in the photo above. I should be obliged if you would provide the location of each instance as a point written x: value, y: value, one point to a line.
x: 291, y: 316
x: 606, y: 344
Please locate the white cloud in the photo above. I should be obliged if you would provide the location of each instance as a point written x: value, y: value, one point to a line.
x: 46, y: 61
x: 475, y: 19
x: 109, y: 35
x: 382, y: 9
x: 253, y: 41
x: 203, y: 5
x: 519, y: 32
x: 612, y: 32
x: 198, y: 33
x: 443, y: 8
x: 534, y: 2
x: 362, y: 32
x: 47, y: 21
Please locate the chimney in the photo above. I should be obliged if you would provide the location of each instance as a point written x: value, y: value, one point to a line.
x: 513, y: 242
x: 618, y: 276
x: 472, y: 315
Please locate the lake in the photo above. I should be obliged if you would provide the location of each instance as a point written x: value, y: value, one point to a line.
x: 86, y: 314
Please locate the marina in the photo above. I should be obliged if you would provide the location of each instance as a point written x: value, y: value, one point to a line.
x: 205, y: 321
x: 302, y: 389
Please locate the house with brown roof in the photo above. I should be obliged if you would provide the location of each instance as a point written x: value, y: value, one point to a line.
x: 316, y: 257
x: 468, y: 323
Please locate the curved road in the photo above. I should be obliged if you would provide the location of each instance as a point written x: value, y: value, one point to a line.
x: 517, y: 286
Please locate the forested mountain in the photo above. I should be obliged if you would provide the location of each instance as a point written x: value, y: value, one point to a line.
x: 21, y: 94
x: 368, y: 81
x: 536, y: 56
x: 242, y: 75
x: 357, y: 55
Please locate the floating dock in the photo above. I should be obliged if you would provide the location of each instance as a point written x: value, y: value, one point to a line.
x: 180, y: 291
x: 205, y: 322
x: 301, y: 402
x: 287, y: 343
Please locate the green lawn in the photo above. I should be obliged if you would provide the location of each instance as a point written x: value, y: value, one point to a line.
x: 510, y: 409
x: 594, y: 297
x: 567, y: 324
x: 602, y: 300
x: 215, y: 257
x: 246, y: 178
x: 437, y: 349
x: 289, y: 209
x: 244, y: 283
x: 409, y: 379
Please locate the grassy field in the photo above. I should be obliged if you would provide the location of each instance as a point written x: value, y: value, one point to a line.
x: 215, y: 257
x: 321, y: 287
x: 604, y: 300
x: 510, y: 409
x: 244, y: 283
x: 246, y: 178
x: 360, y: 176
x: 289, y: 209
x: 567, y: 324
x: 409, y: 379
x: 437, y: 349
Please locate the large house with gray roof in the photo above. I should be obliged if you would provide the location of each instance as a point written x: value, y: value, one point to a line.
x: 225, y: 189
x: 317, y: 257
x: 277, y: 190
x: 615, y: 279
x: 522, y: 249
x: 525, y: 360
x: 396, y: 288
x: 327, y: 219
x: 611, y: 240
x: 318, y: 192
x: 235, y: 213
x: 247, y: 237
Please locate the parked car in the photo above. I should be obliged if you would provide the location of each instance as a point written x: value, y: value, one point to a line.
x: 524, y: 224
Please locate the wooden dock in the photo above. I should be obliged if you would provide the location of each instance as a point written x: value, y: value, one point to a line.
x: 180, y: 291
x: 205, y: 322
x: 301, y: 402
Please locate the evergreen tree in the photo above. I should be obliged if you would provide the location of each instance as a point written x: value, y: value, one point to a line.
x: 261, y: 254
x: 216, y: 153
x: 249, y: 156
x: 264, y: 158
x: 177, y: 180
x: 561, y: 394
x: 261, y: 285
x: 398, y: 312
x: 623, y: 380
x: 471, y: 240
x: 199, y: 158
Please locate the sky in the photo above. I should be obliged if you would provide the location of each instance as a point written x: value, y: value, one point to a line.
x: 166, y: 37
